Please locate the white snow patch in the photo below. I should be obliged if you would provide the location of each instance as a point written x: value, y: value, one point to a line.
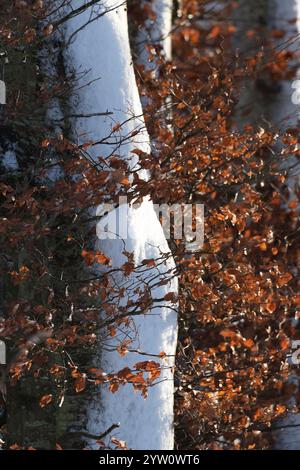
x: 102, y: 49
x: 156, y: 31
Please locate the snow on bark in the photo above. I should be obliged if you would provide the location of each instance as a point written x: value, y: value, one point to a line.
x: 283, y: 16
x: 162, y: 27
x: 102, y: 49
x: 156, y: 31
x: 284, y: 105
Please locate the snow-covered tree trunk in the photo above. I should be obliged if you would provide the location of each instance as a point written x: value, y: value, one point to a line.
x: 156, y: 32
x: 153, y: 36
x: 285, y: 109
x: 282, y: 16
x: 102, y: 48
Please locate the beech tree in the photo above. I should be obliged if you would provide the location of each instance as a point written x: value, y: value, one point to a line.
x: 149, y: 105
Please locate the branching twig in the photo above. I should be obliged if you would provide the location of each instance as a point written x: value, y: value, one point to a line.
x: 92, y: 436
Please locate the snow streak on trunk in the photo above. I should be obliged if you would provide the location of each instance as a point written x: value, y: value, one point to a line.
x: 102, y: 48
x: 285, y: 106
x: 156, y: 31
x: 283, y: 15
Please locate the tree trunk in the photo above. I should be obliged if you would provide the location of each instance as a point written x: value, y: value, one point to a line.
x: 144, y: 424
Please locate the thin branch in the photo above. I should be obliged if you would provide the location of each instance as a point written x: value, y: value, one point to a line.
x: 81, y: 9
x: 93, y: 436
